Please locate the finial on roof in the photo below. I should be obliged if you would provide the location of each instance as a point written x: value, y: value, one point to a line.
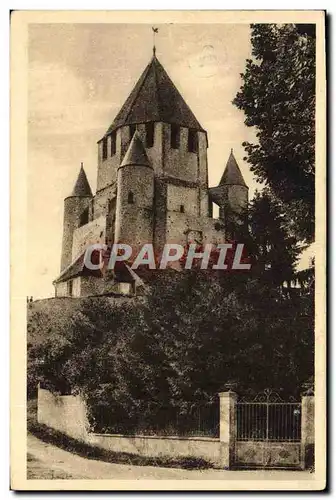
x: 155, y: 30
x: 82, y: 164
x: 231, y: 150
x: 155, y: 87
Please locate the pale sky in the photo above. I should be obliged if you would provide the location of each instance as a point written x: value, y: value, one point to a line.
x: 80, y: 76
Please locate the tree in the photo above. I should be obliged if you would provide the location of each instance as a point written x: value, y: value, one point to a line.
x: 278, y: 99
x: 272, y: 246
x: 178, y: 346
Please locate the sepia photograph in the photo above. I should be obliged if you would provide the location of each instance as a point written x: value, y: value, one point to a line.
x: 171, y: 324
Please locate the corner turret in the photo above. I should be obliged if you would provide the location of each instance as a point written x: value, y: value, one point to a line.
x: 75, y: 207
x: 231, y: 195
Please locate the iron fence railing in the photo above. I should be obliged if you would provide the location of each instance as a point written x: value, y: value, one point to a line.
x: 268, y: 418
x: 195, y: 420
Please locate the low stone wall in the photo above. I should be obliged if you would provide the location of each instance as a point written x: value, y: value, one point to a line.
x: 209, y: 449
x: 66, y: 414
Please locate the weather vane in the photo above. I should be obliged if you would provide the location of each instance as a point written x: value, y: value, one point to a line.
x: 155, y: 30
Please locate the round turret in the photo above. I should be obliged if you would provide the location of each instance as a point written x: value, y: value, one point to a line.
x: 74, y: 207
x: 135, y: 194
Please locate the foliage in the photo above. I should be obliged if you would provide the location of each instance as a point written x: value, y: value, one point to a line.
x: 278, y: 99
x: 143, y: 361
x: 270, y: 241
x: 180, y: 345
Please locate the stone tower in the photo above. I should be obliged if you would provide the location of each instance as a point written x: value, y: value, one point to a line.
x: 135, y: 196
x: 176, y: 147
x: 231, y: 195
x: 152, y: 187
x: 76, y: 207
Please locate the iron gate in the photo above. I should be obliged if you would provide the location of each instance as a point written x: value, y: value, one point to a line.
x: 268, y: 432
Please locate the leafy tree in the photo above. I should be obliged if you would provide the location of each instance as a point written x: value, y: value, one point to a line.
x: 278, y: 99
x: 139, y: 361
x: 272, y: 246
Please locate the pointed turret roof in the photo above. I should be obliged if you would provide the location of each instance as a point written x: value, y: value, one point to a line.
x: 232, y: 173
x: 155, y: 98
x: 136, y: 153
x: 82, y: 186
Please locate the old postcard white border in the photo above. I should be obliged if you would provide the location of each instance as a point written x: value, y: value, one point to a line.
x: 19, y: 31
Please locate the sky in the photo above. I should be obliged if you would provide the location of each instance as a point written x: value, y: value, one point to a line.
x: 79, y: 77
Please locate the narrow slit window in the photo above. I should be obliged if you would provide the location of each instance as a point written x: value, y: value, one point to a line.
x: 91, y: 215
x: 130, y: 198
x: 132, y: 129
x: 104, y: 148
x: 192, y: 141
x: 149, y: 135
x: 111, y: 204
x: 174, y: 136
x: 182, y: 209
x: 84, y: 217
x: 113, y: 143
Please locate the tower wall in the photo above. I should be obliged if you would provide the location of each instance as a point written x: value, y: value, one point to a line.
x: 160, y: 211
x: 154, y: 153
x: 200, y: 230
x: 236, y: 198
x: 203, y: 174
x: 107, y: 168
x: 102, y: 199
x: 134, y: 220
x: 232, y: 200
x: 73, y: 208
x: 179, y: 163
x: 183, y: 196
x: 233, y: 210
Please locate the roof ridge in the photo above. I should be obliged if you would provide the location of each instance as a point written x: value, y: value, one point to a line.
x: 156, y: 85
x: 180, y: 94
x: 144, y: 75
x: 155, y: 98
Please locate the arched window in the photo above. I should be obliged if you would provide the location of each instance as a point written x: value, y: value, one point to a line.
x: 130, y: 198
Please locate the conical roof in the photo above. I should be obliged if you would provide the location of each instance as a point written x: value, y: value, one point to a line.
x: 136, y: 153
x: 232, y: 173
x: 82, y: 186
x: 155, y: 98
